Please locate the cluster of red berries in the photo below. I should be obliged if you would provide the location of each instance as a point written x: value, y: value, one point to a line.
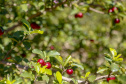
x: 42, y: 62
x: 34, y: 25
x: 79, y: 15
x: 69, y: 71
x: 113, y: 10
x: 116, y: 20
x: 110, y: 78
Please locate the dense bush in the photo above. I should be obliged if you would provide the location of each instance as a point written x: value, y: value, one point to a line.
x: 62, y: 41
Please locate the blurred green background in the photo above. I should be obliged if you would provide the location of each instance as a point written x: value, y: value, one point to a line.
x: 86, y: 39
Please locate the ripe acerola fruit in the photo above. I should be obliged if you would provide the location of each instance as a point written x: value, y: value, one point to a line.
x: 41, y: 61
x: 23, y: 55
x: 79, y: 15
x: 110, y: 11
x: 117, y: 20
x: 48, y: 64
x: 114, y: 9
x: 34, y: 25
x: 1, y: 31
x: 52, y: 47
x: 69, y: 71
x: 92, y: 40
x: 110, y: 78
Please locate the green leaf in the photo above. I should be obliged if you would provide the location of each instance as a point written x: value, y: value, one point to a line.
x: 27, y: 45
x: 101, y: 69
x: 117, y: 58
x: 77, y: 65
x: 53, y: 53
x: 114, y: 67
x: 48, y: 71
x: 87, y: 75
x: 37, y: 67
x: 67, y: 60
x: 92, y: 78
x: 113, y: 51
x: 59, y: 77
x: 27, y: 75
x: 59, y: 58
x: 42, y: 70
x: 37, y: 51
x: 46, y: 78
x: 122, y: 79
x: 36, y: 31
x: 122, y: 14
x: 108, y: 58
x: 26, y: 24
x: 18, y: 81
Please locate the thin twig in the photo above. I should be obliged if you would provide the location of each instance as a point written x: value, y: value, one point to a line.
x: 97, y: 11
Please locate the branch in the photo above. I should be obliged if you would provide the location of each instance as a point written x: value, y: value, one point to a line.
x: 97, y: 11
x: 64, y: 78
x: 35, y: 15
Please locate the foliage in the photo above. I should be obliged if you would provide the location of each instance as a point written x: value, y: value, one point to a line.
x: 81, y: 32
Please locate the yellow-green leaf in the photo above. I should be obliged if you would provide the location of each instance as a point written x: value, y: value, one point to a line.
x: 59, y: 77
x: 36, y: 31
x: 48, y: 71
x: 113, y: 51
x: 42, y: 70
x: 87, y: 75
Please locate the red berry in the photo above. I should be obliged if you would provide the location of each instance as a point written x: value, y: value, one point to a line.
x: 91, y: 40
x: 79, y: 15
x: 110, y: 78
x: 117, y: 20
x: 23, y: 55
x: 76, y: 16
x: 69, y: 71
x: 41, y: 61
x: 110, y: 11
x: 8, y: 58
x: 52, y: 47
x: 114, y: 8
x: 35, y: 26
x: 48, y: 65
x: 1, y: 31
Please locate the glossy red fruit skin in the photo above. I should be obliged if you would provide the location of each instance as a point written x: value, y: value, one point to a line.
x: 76, y: 16
x: 34, y: 26
x: 1, y: 32
x: 92, y: 40
x: 114, y: 8
x: 117, y: 20
x: 110, y: 11
x: 48, y: 64
x: 110, y: 78
x: 23, y: 55
x: 80, y: 15
x: 41, y: 61
x: 8, y: 58
x: 69, y: 71
x: 52, y: 47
